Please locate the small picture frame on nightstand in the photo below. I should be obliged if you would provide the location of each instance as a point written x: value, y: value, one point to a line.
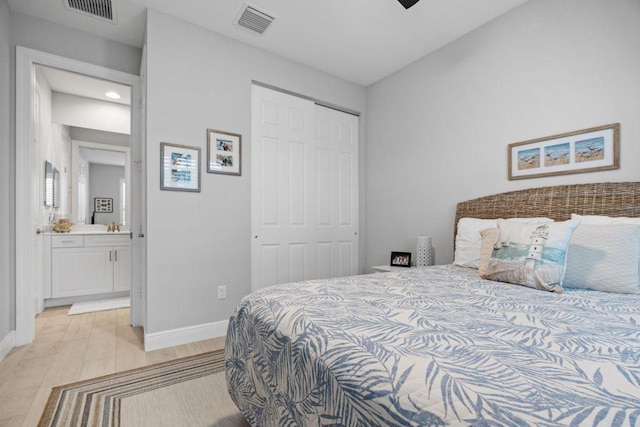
x: 400, y: 259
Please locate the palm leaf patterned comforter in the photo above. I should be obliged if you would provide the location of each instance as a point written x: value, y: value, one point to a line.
x: 433, y: 347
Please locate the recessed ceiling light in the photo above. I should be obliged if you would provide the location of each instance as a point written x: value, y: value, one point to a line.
x: 113, y: 95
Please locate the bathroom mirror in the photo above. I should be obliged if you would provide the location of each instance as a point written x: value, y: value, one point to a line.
x: 99, y: 172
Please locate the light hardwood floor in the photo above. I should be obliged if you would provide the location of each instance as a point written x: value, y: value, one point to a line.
x: 75, y: 348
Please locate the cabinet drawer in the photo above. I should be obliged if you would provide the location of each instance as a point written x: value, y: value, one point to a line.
x: 107, y: 240
x: 67, y: 241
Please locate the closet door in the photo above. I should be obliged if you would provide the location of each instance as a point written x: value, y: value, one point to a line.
x: 336, y: 201
x: 304, y: 190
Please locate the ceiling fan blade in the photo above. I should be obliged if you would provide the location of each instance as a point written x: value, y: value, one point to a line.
x: 408, y: 3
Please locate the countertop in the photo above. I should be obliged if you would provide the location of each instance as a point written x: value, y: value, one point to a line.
x: 89, y: 230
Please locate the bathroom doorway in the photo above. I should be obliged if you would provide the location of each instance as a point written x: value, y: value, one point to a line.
x: 98, y: 124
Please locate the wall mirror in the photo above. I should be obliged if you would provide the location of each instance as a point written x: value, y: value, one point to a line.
x: 99, y: 172
x: 72, y: 112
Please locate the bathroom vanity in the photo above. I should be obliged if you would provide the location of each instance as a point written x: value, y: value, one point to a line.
x: 88, y: 261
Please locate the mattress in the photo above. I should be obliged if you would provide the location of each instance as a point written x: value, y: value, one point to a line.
x: 433, y: 346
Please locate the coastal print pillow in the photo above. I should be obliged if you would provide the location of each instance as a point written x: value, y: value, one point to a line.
x: 468, y: 239
x: 532, y: 255
x: 604, y: 258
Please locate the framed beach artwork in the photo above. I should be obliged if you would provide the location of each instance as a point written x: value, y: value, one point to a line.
x: 587, y: 150
x: 223, y: 152
x: 179, y: 167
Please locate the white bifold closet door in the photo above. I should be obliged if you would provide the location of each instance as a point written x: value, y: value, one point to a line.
x: 304, y: 190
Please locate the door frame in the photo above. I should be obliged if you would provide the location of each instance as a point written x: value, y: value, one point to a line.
x: 26, y: 59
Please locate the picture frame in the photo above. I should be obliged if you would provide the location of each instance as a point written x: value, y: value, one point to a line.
x: 587, y: 150
x: 224, y: 152
x: 56, y: 187
x: 48, y: 184
x: 51, y: 185
x: 179, y: 167
x: 400, y: 259
x: 103, y: 205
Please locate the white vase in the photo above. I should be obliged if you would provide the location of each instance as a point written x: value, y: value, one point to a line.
x: 425, y: 255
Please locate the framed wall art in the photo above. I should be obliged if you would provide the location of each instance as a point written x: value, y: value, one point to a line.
x: 48, y: 184
x: 56, y: 188
x: 103, y: 205
x: 51, y: 185
x: 223, y: 152
x: 587, y: 150
x: 179, y: 167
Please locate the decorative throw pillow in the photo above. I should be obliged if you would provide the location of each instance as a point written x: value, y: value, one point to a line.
x: 532, y: 255
x: 604, y: 258
x: 468, y: 239
x: 490, y: 238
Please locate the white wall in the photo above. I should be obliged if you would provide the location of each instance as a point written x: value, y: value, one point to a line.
x: 80, y: 183
x: 89, y: 113
x: 439, y: 128
x: 6, y: 289
x: 55, y: 147
x: 61, y: 155
x: 197, y: 241
x: 101, y: 137
x: 40, y: 34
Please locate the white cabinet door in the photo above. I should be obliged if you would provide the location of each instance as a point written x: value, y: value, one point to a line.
x: 81, y: 271
x: 121, y: 268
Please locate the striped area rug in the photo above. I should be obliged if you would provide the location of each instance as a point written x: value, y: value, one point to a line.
x: 103, y: 401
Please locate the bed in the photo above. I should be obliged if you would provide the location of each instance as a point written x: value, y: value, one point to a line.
x: 441, y: 346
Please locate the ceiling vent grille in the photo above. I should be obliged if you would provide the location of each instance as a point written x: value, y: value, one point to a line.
x: 101, y: 9
x: 254, y: 19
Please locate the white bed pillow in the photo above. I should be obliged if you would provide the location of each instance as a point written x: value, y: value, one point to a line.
x: 605, y: 220
x: 469, y: 240
x: 604, y: 258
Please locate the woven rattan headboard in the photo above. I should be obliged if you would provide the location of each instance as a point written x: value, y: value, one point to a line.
x: 559, y: 202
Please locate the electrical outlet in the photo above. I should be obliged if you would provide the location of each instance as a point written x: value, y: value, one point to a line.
x: 222, y: 292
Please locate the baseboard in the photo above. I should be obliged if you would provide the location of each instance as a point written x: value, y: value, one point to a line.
x: 7, y: 344
x: 173, y: 337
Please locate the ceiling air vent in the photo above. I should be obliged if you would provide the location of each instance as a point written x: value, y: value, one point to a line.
x: 101, y: 9
x: 254, y: 19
